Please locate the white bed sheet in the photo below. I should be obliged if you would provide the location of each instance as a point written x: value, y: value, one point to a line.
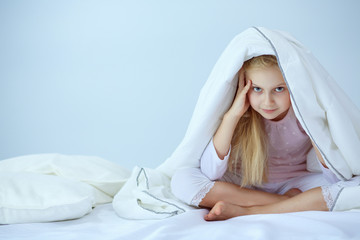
x: 103, y: 223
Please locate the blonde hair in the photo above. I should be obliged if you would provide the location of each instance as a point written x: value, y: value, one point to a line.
x: 249, y: 142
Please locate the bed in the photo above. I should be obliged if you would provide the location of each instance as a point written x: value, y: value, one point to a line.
x: 103, y: 223
x: 56, y: 187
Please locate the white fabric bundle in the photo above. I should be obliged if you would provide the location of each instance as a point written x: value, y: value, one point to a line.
x: 53, y: 187
x: 147, y: 195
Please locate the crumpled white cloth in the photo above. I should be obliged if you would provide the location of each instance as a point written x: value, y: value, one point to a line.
x: 147, y: 195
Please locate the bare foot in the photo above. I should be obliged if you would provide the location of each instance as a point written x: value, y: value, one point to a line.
x: 223, y: 210
x: 293, y: 192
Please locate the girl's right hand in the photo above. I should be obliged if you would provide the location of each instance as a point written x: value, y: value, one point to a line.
x: 241, y: 103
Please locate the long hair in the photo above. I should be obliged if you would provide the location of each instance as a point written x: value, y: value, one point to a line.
x: 249, y: 142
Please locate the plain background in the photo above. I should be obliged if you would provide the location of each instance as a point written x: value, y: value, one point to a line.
x: 120, y: 79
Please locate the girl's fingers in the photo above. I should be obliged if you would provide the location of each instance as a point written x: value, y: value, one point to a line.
x: 241, y: 103
x: 241, y: 93
x: 246, y: 88
x: 241, y: 79
x: 248, y: 85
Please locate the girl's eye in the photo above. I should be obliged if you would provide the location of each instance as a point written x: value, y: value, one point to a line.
x: 257, y: 89
x: 279, y: 89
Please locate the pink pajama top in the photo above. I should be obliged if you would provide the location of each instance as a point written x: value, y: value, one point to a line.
x: 288, y: 145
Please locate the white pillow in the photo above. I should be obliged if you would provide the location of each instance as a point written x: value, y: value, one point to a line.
x: 105, y: 176
x: 31, y: 197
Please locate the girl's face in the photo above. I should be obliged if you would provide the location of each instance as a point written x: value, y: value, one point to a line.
x: 268, y: 94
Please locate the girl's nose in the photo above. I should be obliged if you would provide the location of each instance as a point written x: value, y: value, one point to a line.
x: 269, y: 100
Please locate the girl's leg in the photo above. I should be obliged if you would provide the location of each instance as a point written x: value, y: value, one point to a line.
x: 234, y: 194
x: 311, y: 200
x: 304, y: 183
x: 194, y: 188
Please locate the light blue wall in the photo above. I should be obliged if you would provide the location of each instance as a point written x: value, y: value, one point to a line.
x: 120, y: 79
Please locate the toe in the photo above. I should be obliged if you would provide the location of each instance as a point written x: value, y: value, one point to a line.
x: 209, y: 217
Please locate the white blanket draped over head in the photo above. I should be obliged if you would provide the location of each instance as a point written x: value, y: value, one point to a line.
x: 325, y: 112
x: 328, y: 116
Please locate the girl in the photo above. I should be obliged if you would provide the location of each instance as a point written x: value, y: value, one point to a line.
x: 256, y: 161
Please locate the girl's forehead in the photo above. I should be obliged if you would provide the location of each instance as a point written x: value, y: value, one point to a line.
x: 265, y: 76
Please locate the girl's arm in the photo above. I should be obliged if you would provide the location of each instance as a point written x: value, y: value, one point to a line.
x: 223, y: 136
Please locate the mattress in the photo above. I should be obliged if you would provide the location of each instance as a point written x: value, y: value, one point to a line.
x: 103, y: 223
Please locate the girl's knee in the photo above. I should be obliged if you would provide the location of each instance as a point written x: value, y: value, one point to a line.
x: 183, y: 178
x: 187, y: 182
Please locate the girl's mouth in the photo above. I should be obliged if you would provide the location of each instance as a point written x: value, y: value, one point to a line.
x: 269, y: 110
